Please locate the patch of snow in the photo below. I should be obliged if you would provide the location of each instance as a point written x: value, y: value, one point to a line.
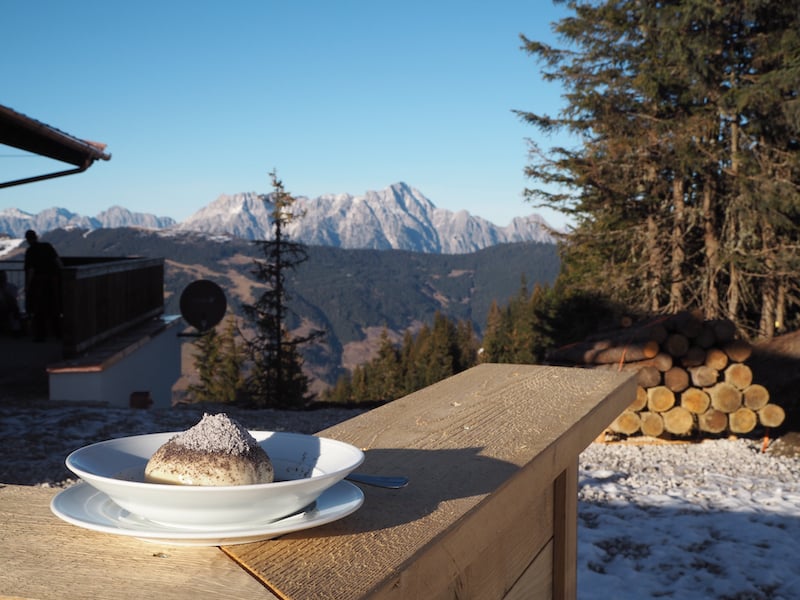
x: 9, y: 244
x: 719, y: 519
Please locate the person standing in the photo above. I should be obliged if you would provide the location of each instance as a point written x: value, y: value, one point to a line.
x: 42, y: 287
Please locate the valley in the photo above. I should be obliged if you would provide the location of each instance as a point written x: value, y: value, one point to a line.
x: 351, y: 294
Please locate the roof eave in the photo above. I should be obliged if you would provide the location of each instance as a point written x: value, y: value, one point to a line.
x: 20, y: 131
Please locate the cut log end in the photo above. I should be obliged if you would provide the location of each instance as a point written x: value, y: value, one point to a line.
x: 648, y: 376
x: 724, y: 329
x: 738, y: 350
x: 627, y: 423
x: 662, y: 361
x: 676, y: 379
x: 660, y: 398
x: 652, y: 424
x: 677, y: 345
x: 725, y: 397
x: 716, y: 359
x: 742, y: 420
x: 739, y: 375
x: 641, y: 399
x: 756, y: 396
x: 705, y: 337
x: 694, y: 357
x: 771, y: 415
x: 678, y: 421
x: 695, y: 401
x: 704, y: 376
x: 712, y: 421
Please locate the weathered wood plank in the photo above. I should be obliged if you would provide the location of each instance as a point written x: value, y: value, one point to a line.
x: 44, y: 557
x: 537, y: 580
x: 480, y: 433
x: 565, y: 529
x: 483, y: 556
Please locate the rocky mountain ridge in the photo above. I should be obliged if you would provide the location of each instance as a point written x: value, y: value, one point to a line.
x: 14, y: 222
x: 397, y: 218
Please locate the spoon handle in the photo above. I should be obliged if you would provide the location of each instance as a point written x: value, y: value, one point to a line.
x: 379, y: 480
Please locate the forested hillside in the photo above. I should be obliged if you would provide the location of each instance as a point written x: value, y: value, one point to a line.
x: 352, y: 294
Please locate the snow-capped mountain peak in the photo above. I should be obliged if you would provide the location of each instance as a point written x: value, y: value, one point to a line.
x: 398, y: 217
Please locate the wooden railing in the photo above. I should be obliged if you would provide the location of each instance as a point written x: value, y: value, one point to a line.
x: 491, y: 510
x: 103, y: 296
x: 490, y: 513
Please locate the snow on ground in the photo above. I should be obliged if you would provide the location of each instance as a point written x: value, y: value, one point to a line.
x: 718, y: 519
x: 9, y: 244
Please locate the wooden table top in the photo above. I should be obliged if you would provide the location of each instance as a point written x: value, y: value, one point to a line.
x: 459, y: 441
x: 44, y: 557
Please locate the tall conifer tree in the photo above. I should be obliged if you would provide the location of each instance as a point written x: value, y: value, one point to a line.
x: 219, y: 362
x: 277, y: 378
x: 685, y: 178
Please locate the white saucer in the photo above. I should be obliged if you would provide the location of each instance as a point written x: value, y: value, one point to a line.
x: 87, y: 507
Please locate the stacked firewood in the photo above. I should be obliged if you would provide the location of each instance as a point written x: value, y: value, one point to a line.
x: 693, y: 377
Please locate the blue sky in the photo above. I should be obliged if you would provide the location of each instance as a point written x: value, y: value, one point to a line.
x: 197, y: 99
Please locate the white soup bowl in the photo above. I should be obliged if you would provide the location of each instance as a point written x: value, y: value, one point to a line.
x: 305, y: 466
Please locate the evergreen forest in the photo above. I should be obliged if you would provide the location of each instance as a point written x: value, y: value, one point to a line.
x: 683, y: 177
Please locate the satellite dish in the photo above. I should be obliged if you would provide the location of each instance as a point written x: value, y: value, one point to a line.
x: 203, y: 304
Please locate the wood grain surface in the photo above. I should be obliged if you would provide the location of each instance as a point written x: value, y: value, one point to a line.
x: 483, y: 450
x: 43, y: 557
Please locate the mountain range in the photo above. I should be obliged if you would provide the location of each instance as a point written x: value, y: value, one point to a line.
x: 399, y: 217
x: 15, y: 222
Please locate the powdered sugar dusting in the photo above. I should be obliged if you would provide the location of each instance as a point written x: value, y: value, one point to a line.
x: 217, y: 433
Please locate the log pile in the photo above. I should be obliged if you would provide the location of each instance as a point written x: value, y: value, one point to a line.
x: 693, y: 377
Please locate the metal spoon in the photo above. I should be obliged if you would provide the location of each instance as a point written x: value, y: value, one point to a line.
x: 379, y: 480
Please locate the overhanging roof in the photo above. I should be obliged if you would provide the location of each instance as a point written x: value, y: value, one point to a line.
x: 20, y: 131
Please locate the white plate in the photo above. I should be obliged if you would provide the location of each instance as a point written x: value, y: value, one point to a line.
x: 87, y: 507
x: 305, y: 466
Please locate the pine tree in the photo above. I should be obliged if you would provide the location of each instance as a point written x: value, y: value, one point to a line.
x: 444, y: 358
x: 431, y: 355
x: 410, y: 366
x: 219, y: 362
x: 386, y: 371
x: 359, y: 390
x: 206, y: 361
x: 340, y: 392
x: 684, y: 182
x: 277, y: 377
x: 466, y: 346
x: 497, y: 338
x: 417, y: 356
x: 522, y: 325
x: 543, y: 329
x: 230, y: 374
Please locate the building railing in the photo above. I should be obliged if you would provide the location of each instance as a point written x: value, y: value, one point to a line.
x: 102, y: 296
